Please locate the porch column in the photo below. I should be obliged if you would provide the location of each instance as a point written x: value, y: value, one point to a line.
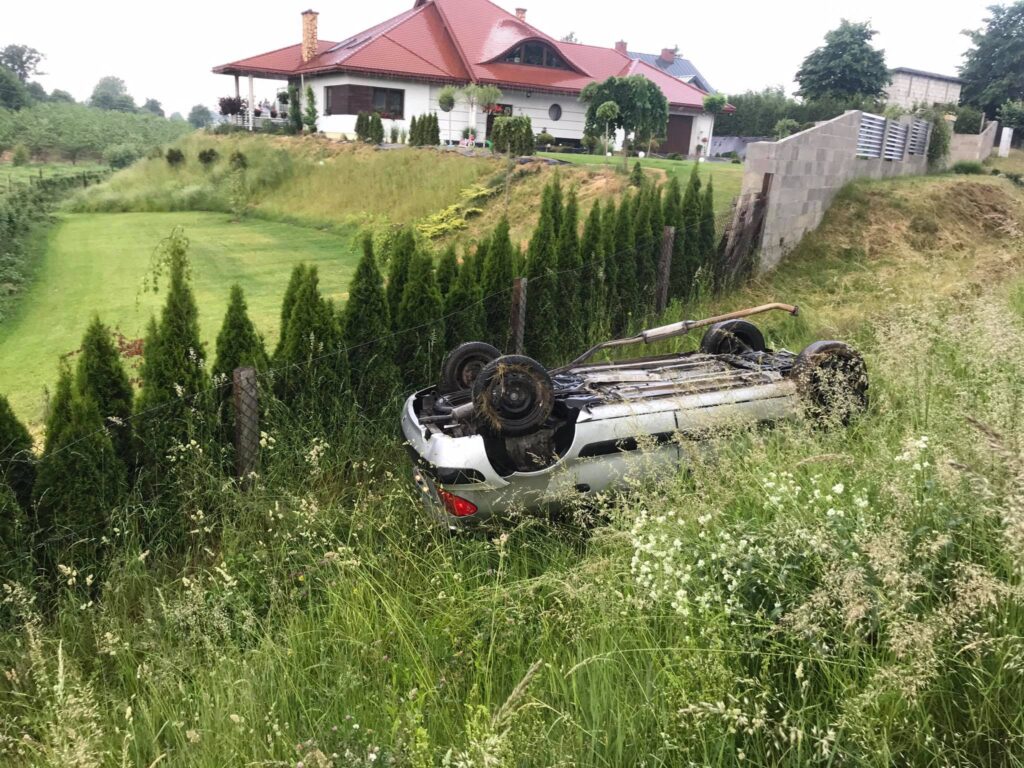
x: 238, y: 92
x: 252, y: 117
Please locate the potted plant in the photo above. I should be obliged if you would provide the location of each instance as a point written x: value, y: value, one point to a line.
x: 282, y: 98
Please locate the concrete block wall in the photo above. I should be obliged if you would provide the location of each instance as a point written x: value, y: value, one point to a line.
x: 809, y: 169
x: 973, y: 147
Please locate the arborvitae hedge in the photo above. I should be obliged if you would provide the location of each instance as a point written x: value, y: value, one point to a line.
x: 592, y: 288
x: 402, y: 249
x: 376, y: 129
x: 673, y: 215
x: 544, y: 290
x: 102, y: 377
x: 312, y: 373
x: 644, y: 244
x: 625, y: 259
x: 13, y: 534
x: 636, y: 176
x: 414, y: 132
x: 17, y: 462
x: 496, y: 285
x: 657, y: 233
x: 366, y: 334
x: 447, y: 270
x: 570, y: 277
x: 173, y: 375
x: 691, y: 237
x: 239, y: 344
x: 419, y: 316
x: 612, y: 279
x: 295, y: 283
x: 465, y: 318
x: 709, y: 258
x: 363, y: 127
x: 513, y: 135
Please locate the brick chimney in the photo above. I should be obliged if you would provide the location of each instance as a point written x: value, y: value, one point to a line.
x: 668, y: 55
x: 521, y: 14
x: 621, y: 46
x: 309, y: 36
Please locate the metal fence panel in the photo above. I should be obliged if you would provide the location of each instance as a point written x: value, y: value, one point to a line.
x: 919, y: 132
x: 895, y: 141
x: 871, y: 135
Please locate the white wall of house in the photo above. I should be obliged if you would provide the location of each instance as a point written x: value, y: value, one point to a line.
x: 417, y: 101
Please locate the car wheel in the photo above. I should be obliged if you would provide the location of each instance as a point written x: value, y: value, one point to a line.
x: 833, y: 380
x: 463, y: 364
x: 732, y: 337
x: 513, y: 395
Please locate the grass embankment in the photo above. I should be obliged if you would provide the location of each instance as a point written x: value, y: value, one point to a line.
x: 797, y: 597
x: 11, y: 175
x: 98, y: 263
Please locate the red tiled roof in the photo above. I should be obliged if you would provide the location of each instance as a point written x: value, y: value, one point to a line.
x: 459, y: 41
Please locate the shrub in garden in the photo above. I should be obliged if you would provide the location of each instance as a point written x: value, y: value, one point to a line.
x: 420, y: 320
x: 17, y: 462
x: 414, y: 132
x: 591, y: 283
x: 657, y: 221
x: 175, y: 157
x: 402, y: 249
x: 545, y: 139
x: 643, y: 244
x: 465, y: 318
x: 366, y: 334
x: 101, y: 377
x: 310, y: 114
x: 968, y: 120
x: 496, y: 284
x: 513, y: 135
x: 173, y: 375
x: 20, y: 155
x: 968, y: 167
x: 613, y: 296
x: 376, y: 129
x: 394, y: 134
x: 709, y: 255
x: 294, y: 109
x: 295, y: 282
x: 230, y: 105
x: 447, y: 270
x: 122, y: 155
x: 80, y: 481
x: 435, y: 130
x: 691, y: 218
x: 238, y: 161
x: 239, y: 344
x: 672, y: 211
x: 208, y: 156
x: 544, y: 294
x: 627, y: 290
x: 570, y: 276
x: 636, y: 176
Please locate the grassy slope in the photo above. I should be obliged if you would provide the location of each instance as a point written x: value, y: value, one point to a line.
x: 97, y: 262
x: 18, y: 174
x: 876, y: 625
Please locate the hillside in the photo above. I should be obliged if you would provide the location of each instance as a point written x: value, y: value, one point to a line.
x: 795, y: 596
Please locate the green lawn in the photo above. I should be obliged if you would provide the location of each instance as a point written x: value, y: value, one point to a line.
x: 728, y: 177
x: 97, y: 262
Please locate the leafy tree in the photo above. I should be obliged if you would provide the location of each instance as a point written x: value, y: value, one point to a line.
x: 59, y: 95
x: 366, y: 334
x: 17, y: 462
x: 101, y: 377
x: 447, y: 270
x: 1011, y: 115
x: 628, y: 292
x: 153, y: 107
x: 295, y: 282
x: 22, y: 60
x: 176, y: 117
x: 845, y: 67
x: 678, y: 285
x: 310, y: 115
x: 613, y: 297
x: 570, y: 275
x: 993, y: 68
x: 402, y: 249
x: 968, y: 120
x: 785, y: 127
x: 112, y: 93
x: 174, y: 378
x: 13, y: 94
x: 643, y: 108
x: 446, y: 102
x: 606, y: 115
x: 294, y: 109
x: 709, y: 251
x: 81, y: 480
x: 239, y: 344
x: 544, y: 290
x: 714, y: 103
x: 465, y: 318
x: 476, y: 95
x: 592, y: 287
x: 200, y: 116
x: 420, y: 316
x: 496, y: 284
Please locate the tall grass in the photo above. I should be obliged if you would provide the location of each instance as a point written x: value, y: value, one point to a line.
x: 796, y: 596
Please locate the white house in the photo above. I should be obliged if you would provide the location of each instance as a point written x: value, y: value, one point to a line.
x: 398, y: 67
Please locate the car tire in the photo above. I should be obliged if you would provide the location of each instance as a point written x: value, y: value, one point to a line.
x: 732, y: 337
x: 463, y: 364
x: 832, y: 379
x: 513, y: 396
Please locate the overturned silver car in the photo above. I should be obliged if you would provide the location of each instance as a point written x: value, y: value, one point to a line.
x: 501, y: 434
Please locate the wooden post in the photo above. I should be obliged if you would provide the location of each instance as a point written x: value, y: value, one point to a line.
x: 517, y: 320
x: 247, y: 423
x: 668, y: 236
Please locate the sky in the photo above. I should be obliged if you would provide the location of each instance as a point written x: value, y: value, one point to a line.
x: 165, y: 51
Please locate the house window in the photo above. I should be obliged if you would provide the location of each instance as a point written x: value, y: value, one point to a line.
x: 555, y: 112
x: 536, y: 55
x: 389, y: 103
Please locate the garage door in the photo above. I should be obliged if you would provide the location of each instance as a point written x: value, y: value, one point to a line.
x: 678, y: 139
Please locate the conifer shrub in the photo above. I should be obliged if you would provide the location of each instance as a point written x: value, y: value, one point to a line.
x: 366, y: 334
x: 672, y: 212
x: 706, y: 236
x: 627, y: 289
x: 464, y: 311
x: 657, y: 233
x: 295, y: 282
x: 175, y: 157
x: 636, y: 176
x: 496, y: 285
x: 17, y: 462
x: 310, y: 114
x: 208, y: 157
x: 238, y: 161
x: 239, y: 345
x: 643, y: 245
x: 294, y: 110
x: 570, y: 276
x: 592, y: 293
x: 399, y: 258
x: 613, y: 298
x: 14, y: 539
x: 543, y: 296
x: 420, y: 340
x: 447, y: 270
x: 692, y: 251
x: 513, y: 135
x: 376, y: 129
x: 101, y: 377
x: 363, y: 127
x: 414, y: 132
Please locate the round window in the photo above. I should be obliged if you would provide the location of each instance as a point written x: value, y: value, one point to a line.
x: 555, y: 112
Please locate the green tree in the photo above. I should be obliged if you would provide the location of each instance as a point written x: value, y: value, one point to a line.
x: 465, y: 318
x: 420, y: 316
x: 544, y: 290
x: 102, y: 378
x: 673, y: 217
x: 592, y: 288
x: 239, y: 344
x: 154, y: 107
x: 993, y: 68
x: 636, y: 177
x: 1011, y: 115
x: 606, y: 115
x: 13, y: 94
x: 294, y: 109
x: 447, y: 270
x: 708, y: 246
x: 17, y: 462
x: 58, y: 94
x: 714, y: 103
x: 570, y: 276
x: 14, y: 539
x: 310, y: 114
x: 657, y: 234
x: 22, y: 60
x: 613, y: 296
x: 845, y: 67
x: 111, y: 93
x: 80, y: 481
x: 414, y: 132
x: 692, y: 209
x: 366, y: 334
x: 643, y: 248
x: 298, y: 277
x: 200, y: 116
x: 628, y: 289
x: 643, y: 108
x: 496, y: 284
x: 174, y: 379
x: 403, y: 247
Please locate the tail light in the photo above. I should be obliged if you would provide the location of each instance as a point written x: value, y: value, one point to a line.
x: 456, y: 505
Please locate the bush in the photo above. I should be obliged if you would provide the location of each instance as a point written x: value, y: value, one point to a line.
x: 175, y: 157
x: 786, y: 127
x: 294, y: 110
x: 17, y: 462
x: 394, y: 134
x: 121, y: 155
x: 208, y: 156
x: 545, y: 139
x: 310, y: 115
x: 513, y: 135
x: 101, y: 377
x: 968, y: 167
x: 968, y: 120
x: 376, y: 129
x: 230, y: 105
x: 238, y: 161
x: 20, y: 156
